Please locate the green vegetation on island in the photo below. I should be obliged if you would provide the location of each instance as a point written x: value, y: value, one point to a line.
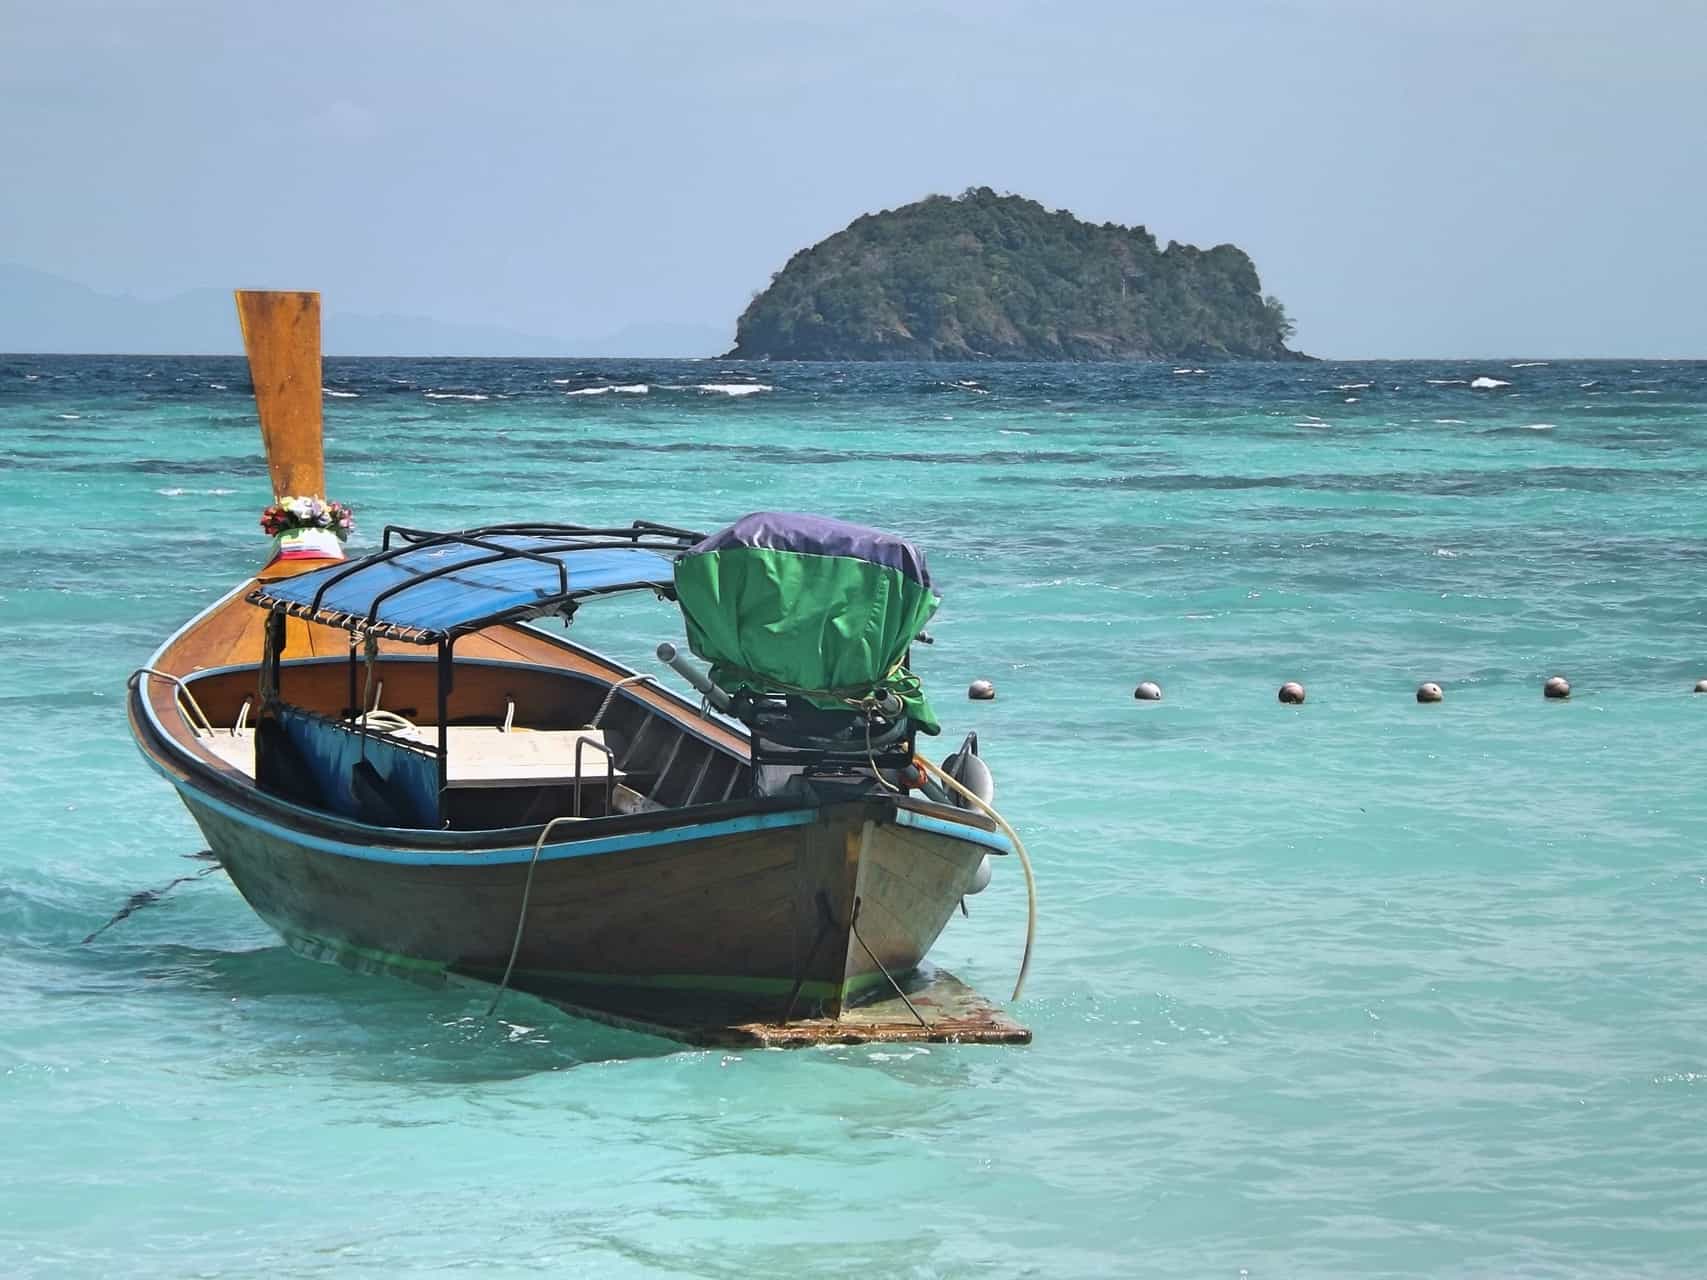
x: 992, y: 277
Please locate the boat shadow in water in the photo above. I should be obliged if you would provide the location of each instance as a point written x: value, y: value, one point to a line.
x: 272, y: 1007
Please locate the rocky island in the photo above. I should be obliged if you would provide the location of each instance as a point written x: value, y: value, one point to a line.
x: 984, y: 276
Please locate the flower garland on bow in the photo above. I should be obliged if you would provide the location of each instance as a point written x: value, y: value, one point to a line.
x: 289, y: 514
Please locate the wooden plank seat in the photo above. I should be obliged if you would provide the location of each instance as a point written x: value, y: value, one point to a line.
x: 487, y: 756
x: 234, y: 746
x: 480, y: 755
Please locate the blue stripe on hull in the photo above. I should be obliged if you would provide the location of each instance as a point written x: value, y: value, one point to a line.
x: 993, y: 840
x: 498, y: 857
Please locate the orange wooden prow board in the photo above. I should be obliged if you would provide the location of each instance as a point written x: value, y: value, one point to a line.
x: 281, y: 335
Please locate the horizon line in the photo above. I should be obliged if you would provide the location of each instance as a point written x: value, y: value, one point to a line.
x: 1159, y: 360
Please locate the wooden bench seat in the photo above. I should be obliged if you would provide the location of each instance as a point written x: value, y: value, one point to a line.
x: 479, y: 755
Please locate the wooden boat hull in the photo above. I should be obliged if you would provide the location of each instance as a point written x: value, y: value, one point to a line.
x: 725, y: 912
x: 771, y: 915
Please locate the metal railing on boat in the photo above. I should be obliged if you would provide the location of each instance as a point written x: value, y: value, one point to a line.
x: 180, y: 696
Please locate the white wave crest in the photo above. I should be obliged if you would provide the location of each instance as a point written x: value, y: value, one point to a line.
x: 1485, y: 383
x: 342, y: 395
x: 199, y: 493
x: 1353, y: 386
x: 1182, y: 371
x: 71, y: 417
x: 1444, y: 382
x: 1451, y: 422
x: 1536, y: 426
x: 733, y: 388
x: 455, y: 395
x: 1530, y: 364
x: 219, y: 386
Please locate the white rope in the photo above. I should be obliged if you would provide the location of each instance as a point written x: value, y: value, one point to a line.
x: 610, y: 697
x: 522, y: 913
x: 1024, y: 861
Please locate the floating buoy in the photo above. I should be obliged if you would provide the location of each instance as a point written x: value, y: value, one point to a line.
x: 981, y: 691
x: 1429, y: 692
x: 1701, y: 686
x: 1292, y: 693
x: 1148, y: 691
x: 1556, y: 687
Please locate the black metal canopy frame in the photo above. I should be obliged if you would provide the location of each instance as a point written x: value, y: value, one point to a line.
x: 641, y: 535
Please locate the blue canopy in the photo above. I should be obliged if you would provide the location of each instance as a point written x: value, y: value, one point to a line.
x: 450, y: 583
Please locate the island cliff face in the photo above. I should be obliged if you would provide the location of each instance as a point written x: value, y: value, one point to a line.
x: 991, y: 277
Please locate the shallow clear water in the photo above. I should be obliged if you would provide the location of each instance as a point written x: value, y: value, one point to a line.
x: 1361, y: 987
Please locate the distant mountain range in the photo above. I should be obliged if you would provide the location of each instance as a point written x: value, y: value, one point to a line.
x: 42, y: 313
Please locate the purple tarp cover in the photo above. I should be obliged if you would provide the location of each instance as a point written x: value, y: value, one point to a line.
x: 819, y: 536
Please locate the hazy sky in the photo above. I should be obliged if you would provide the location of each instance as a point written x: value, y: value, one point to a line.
x: 1412, y: 177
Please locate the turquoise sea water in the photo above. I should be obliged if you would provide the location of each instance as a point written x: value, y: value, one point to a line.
x: 1356, y: 988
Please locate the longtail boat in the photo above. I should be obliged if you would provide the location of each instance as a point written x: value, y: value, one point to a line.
x: 401, y: 773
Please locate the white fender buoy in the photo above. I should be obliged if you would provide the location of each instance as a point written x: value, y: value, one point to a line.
x: 1148, y: 691
x: 1556, y: 687
x: 1429, y: 692
x: 972, y: 773
x: 1292, y: 693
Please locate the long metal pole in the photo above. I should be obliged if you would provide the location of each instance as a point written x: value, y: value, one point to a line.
x: 446, y: 674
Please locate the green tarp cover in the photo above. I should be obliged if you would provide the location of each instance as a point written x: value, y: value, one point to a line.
x: 784, y: 603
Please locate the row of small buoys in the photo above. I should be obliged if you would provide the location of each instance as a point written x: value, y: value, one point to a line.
x: 1292, y: 693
